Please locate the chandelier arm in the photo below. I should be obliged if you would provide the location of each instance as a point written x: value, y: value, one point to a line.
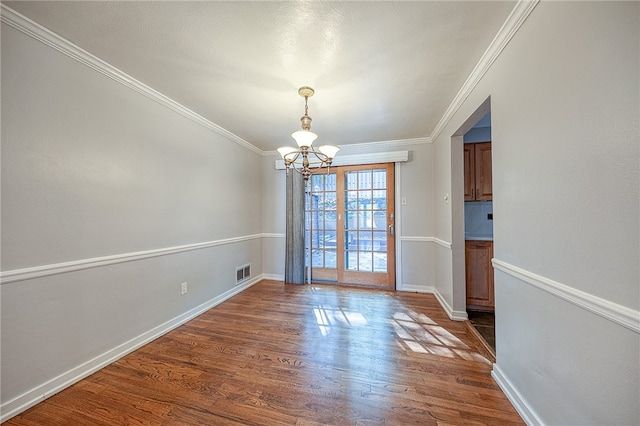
x: 312, y: 163
x: 293, y: 160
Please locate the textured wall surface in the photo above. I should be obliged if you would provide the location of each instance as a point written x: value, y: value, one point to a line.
x: 565, y: 111
x: 128, y: 198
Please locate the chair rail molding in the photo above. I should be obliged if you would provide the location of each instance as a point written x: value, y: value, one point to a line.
x: 23, y: 274
x: 436, y: 240
x: 621, y: 315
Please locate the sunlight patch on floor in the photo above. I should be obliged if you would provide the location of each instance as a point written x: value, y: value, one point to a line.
x: 420, y: 334
x: 326, y: 316
x: 414, y: 331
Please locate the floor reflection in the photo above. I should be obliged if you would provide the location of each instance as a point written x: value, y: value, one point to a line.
x: 413, y: 331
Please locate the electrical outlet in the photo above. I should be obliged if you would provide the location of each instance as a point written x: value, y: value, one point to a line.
x: 183, y: 288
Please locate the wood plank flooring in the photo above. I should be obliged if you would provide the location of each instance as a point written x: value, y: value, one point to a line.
x: 295, y: 355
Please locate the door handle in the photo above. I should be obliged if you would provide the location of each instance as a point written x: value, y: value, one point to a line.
x: 391, y: 230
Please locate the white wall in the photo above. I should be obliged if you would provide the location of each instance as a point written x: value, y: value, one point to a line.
x: 273, y: 217
x: 564, y: 107
x: 118, y: 192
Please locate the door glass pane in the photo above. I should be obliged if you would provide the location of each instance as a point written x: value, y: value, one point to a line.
x: 379, y: 262
x: 379, y: 179
x: 351, y: 214
x: 365, y: 220
x: 350, y: 241
x: 330, y: 239
x: 351, y: 180
x: 330, y: 201
x: 317, y: 259
x: 316, y: 238
x: 330, y: 260
x: 364, y: 200
x: 317, y: 200
x: 379, y: 200
x: 379, y: 220
x: 364, y: 179
x: 329, y: 220
x: 380, y: 241
x: 330, y: 182
x: 364, y: 240
x: 365, y: 263
x: 317, y: 183
x: 351, y: 260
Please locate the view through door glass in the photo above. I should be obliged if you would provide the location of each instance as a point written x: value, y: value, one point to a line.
x: 349, y: 224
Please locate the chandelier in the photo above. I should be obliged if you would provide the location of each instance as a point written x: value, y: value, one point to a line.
x: 306, y: 157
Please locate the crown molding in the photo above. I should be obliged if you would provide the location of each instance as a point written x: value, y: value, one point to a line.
x: 47, y: 37
x: 367, y: 146
x: 518, y: 15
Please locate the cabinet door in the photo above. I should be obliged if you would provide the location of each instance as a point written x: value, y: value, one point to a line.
x: 482, y: 160
x: 479, y: 275
x: 469, y: 173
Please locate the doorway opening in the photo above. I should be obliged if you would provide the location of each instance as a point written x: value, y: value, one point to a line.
x: 349, y: 226
x: 472, y: 220
x: 478, y: 221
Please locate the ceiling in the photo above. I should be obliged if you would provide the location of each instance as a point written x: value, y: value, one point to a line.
x: 382, y: 71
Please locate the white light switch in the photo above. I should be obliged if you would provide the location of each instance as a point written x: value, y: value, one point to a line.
x: 404, y: 201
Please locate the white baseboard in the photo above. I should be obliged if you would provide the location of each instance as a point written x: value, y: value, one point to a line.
x: 273, y: 277
x: 45, y: 390
x: 519, y: 403
x: 454, y: 315
x: 415, y: 288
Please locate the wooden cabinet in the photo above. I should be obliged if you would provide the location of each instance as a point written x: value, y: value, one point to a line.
x: 479, y: 275
x: 477, y: 172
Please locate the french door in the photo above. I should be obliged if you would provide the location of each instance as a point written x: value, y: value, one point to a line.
x: 350, y: 225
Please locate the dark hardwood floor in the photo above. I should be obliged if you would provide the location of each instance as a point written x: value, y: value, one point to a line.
x: 295, y: 355
x: 485, y: 323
